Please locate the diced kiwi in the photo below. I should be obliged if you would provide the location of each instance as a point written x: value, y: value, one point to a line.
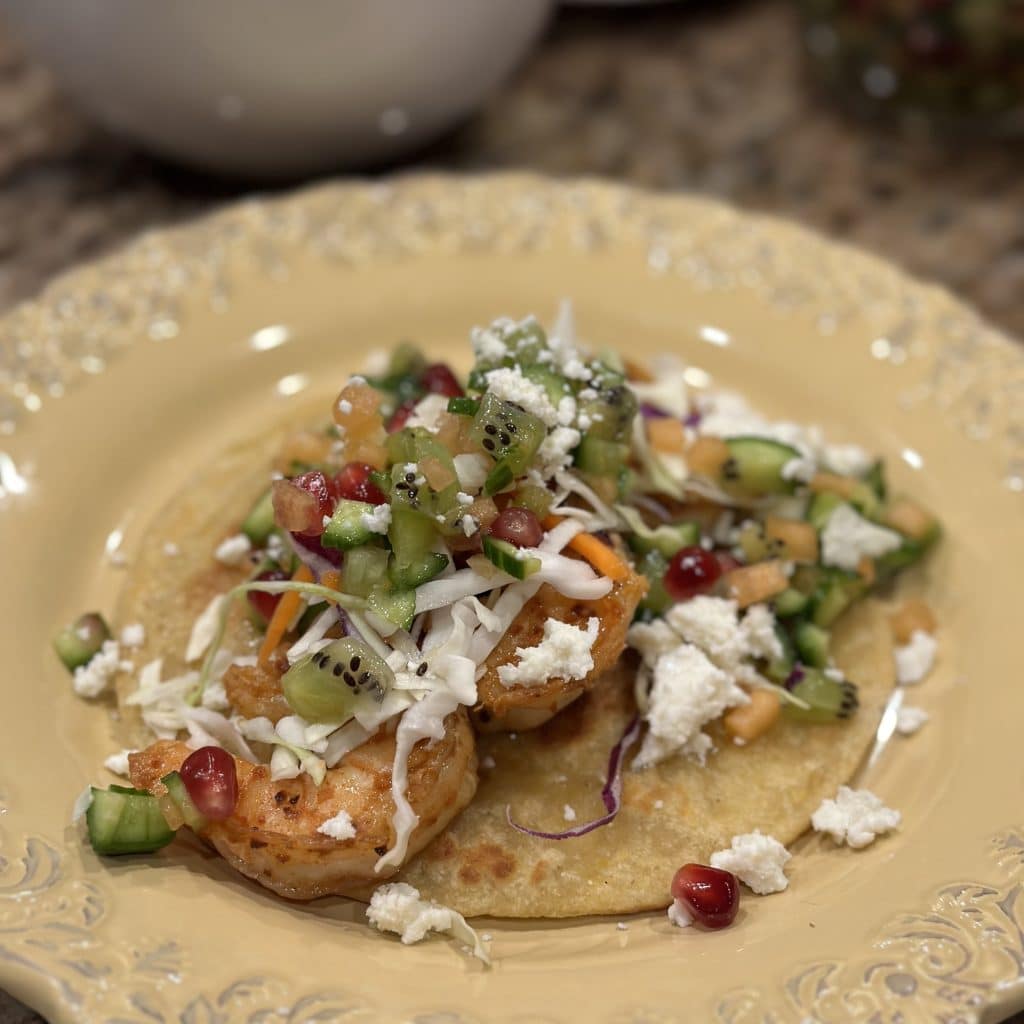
x: 403, y: 373
x: 612, y: 411
x: 407, y: 575
x: 789, y: 603
x: 554, y: 384
x: 755, y: 465
x: 821, y: 507
x: 346, y: 529
x: 397, y: 606
x: 835, y: 592
x: 332, y: 684
x: 812, y: 644
x: 412, y: 533
x: 78, y: 644
x: 830, y: 700
x: 602, y: 458
x: 507, y: 433
x: 780, y: 668
x: 665, y: 539
x: 657, y: 600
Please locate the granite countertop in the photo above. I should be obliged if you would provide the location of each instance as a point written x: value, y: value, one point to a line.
x: 705, y: 97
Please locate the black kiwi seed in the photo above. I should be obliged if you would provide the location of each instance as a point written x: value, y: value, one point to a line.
x: 421, y: 669
x: 511, y: 428
x: 410, y: 478
x: 505, y: 438
x: 490, y: 429
x: 338, y: 669
x: 355, y: 663
x: 730, y: 470
x: 488, y: 444
x: 365, y: 678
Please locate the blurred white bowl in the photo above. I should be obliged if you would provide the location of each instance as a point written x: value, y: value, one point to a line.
x: 279, y: 87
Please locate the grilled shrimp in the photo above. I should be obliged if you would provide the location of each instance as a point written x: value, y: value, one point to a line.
x: 272, y: 835
x: 526, y: 707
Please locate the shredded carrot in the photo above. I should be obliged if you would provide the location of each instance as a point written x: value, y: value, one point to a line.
x: 283, y: 614
x: 332, y: 579
x: 597, y: 553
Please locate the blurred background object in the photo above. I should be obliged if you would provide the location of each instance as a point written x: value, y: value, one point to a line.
x: 927, y: 65
x: 265, y: 88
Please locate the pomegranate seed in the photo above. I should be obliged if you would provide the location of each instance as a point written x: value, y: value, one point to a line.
x: 711, y: 896
x: 692, y: 571
x: 354, y: 483
x: 309, y: 517
x: 212, y: 782
x: 333, y: 555
x: 400, y: 416
x: 518, y: 526
x: 264, y: 604
x: 438, y: 379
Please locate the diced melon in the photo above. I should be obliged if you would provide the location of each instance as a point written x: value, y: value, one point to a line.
x: 752, y: 584
x: 866, y: 570
x: 910, y: 617
x: 799, y: 539
x: 707, y: 455
x: 637, y: 371
x: 748, y: 721
x: 833, y: 483
x: 438, y: 475
x: 667, y: 435
x: 910, y: 519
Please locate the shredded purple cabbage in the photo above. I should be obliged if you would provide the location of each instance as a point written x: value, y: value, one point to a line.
x: 693, y: 419
x: 652, y: 505
x: 795, y: 676
x: 611, y: 793
x: 652, y: 412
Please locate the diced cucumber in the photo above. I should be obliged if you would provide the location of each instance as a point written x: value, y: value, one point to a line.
x: 779, y: 669
x: 499, y: 478
x: 875, y: 479
x: 909, y: 552
x: 412, y: 533
x: 463, y: 406
x: 789, y: 603
x: 402, y: 376
x: 507, y: 558
x: 365, y: 567
x: 812, y: 644
x: 666, y: 539
x: 602, y: 458
x: 657, y: 600
x: 836, y: 591
x: 77, y: 644
x: 398, y: 607
x: 122, y: 820
x: 407, y: 575
x: 259, y: 523
x: 346, y: 529
x: 755, y: 465
x: 821, y: 507
x: 830, y: 700
x: 179, y: 794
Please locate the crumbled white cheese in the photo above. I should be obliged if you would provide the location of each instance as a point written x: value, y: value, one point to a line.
x: 133, y: 635
x: 234, y: 550
x: 652, y: 639
x: 469, y: 525
x: 118, y: 763
x: 171, y: 550
x: 756, y: 860
x: 204, y: 629
x: 378, y: 520
x: 563, y: 653
x: 679, y: 914
x: 622, y: 926
x: 758, y: 629
x: 472, y: 470
x: 856, y: 817
x: 688, y: 692
x: 915, y: 659
x: 427, y: 413
x: 847, y: 459
x: 712, y: 624
x: 569, y: 812
x: 339, y: 827
x: 800, y: 469
x: 511, y: 385
x: 848, y: 537
x: 909, y: 720
x: 490, y: 344
x: 344, y: 406
x: 376, y: 362
x: 464, y: 499
x: 555, y: 450
x: 91, y: 679
x: 397, y: 907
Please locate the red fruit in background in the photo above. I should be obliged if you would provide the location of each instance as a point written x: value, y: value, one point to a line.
x: 264, y: 604
x: 711, y: 896
x: 400, y: 416
x: 438, y: 379
x: 692, y: 571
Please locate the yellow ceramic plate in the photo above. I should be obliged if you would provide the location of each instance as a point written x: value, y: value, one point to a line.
x: 128, y: 373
